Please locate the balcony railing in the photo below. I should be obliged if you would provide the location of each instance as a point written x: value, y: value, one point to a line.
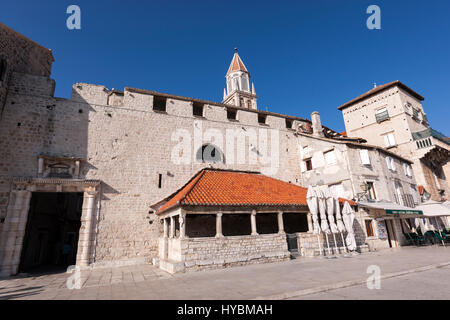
x: 423, y: 138
x: 382, y: 116
x: 424, y: 143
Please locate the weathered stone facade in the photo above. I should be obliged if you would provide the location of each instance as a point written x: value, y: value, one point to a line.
x: 124, y: 155
x: 193, y: 254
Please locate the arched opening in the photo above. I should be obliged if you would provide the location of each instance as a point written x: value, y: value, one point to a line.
x: 209, y: 153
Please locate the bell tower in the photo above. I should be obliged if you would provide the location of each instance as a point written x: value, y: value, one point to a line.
x: 238, y: 91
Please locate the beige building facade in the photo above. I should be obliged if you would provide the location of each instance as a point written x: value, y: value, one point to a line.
x: 392, y: 116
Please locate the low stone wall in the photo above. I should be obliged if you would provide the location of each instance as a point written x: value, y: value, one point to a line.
x: 308, y: 244
x: 212, y: 253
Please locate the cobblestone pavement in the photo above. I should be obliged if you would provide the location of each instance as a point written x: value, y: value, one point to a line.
x: 255, y: 281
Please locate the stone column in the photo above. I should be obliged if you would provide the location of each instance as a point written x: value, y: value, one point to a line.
x: 166, y: 228
x: 172, y: 228
x: 253, y: 223
x: 219, y: 225
x: 280, y: 222
x: 310, y: 222
x: 86, y: 240
x: 182, y: 221
x: 13, y: 233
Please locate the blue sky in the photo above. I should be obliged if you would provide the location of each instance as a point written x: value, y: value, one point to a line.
x: 302, y: 55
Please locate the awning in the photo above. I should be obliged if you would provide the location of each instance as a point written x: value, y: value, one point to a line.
x: 391, y: 208
x: 434, y: 209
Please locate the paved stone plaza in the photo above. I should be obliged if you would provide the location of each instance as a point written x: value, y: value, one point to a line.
x: 305, y: 278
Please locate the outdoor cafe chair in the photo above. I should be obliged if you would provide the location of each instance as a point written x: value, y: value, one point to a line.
x: 418, y: 239
x: 409, y: 239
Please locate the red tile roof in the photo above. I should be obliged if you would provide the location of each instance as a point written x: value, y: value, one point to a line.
x: 236, y: 64
x: 213, y: 187
x: 378, y: 89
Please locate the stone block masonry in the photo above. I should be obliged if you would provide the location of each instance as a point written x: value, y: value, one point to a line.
x: 194, y: 254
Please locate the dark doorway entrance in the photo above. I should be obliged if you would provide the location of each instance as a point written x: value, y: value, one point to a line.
x: 51, y: 235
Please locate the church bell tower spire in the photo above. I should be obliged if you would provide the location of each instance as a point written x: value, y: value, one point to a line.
x: 238, y: 91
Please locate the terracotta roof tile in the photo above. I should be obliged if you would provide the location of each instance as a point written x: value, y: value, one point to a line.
x: 213, y: 187
x: 236, y: 64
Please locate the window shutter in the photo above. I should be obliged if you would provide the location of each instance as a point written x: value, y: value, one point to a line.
x: 392, y: 164
x: 330, y: 157
x: 302, y: 166
x: 386, y: 141
x: 364, y: 154
x: 388, y: 162
x: 391, y: 139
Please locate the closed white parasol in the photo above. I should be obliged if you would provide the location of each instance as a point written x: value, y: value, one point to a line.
x: 311, y: 200
x: 323, y: 215
x: 330, y: 213
x: 323, y: 211
x: 349, y: 217
x: 339, y: 223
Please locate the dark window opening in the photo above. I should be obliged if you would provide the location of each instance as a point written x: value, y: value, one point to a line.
x: 262, y: 118
x: 209, y: 153
x: 2, y: 69
x: 159, y: 181
x: 231, y: 114
x: 197, y: 109
x: 289, y: 123
x: 267, y: 223
x: 159, y: 103
x: 308, y: 163
x: 51, y: 235
x: 200, y: 225
x: 295, y: 222
x: 236, y: 224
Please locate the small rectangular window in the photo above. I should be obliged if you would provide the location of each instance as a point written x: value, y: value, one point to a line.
x: 231, y: 114
x: 337, y: 190
x: 364, y: 155
x: 330, y: 157
x: 308, y: 164
x: 159, y: 103
x: 389, y: 140
x: 369, y: 228
x: 371, y: 190
x: 159, y: 181
x: 262, y: 118
x: 382, y: 115
x: 197, y: 109
x: 289, y: 123
x: 2, y: 69
x: 390, y: 163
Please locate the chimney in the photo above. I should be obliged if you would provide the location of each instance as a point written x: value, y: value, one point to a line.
x: 316, y: 124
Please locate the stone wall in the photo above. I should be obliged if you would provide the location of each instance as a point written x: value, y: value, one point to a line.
x: 126, y: 146
x: 21, y: 55
x: 212, y: 253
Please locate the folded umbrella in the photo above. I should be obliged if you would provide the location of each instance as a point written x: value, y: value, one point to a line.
x: 349, y: 217
x: 311, y: 200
